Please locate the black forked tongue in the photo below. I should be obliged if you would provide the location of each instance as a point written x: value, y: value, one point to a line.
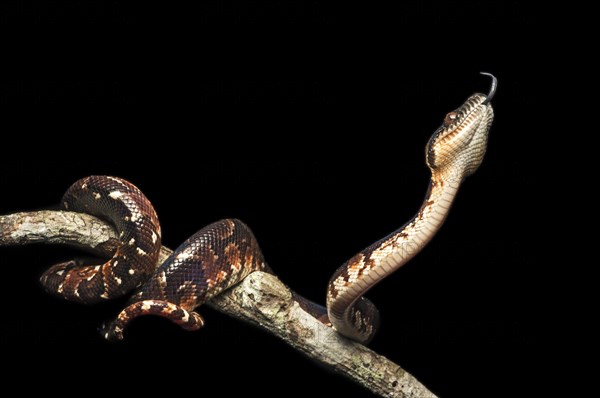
x: 492, y: 89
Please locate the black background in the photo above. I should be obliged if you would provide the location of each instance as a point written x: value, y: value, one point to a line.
x: 308, y: 122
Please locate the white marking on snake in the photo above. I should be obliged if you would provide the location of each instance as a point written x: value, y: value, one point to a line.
x: 60, y: 288
x: 104, y: 295
x: 143, y: 253
x: 136, y: 211
x: 131, y: 272
x: 131, y: 241
x: 146, y: 306
x: 221, y: 276
x: 154, y: 237
x: 162, y: 279
x: 115, y: 194
x: 186, y: 317
x: 115, y: 263
x: 96, y: 268
x: 83, y: 186
x: 77, y: 291
x: 118, y: 280
x: 60, y: 272
x: 183, y: 255
x: 97, y: 195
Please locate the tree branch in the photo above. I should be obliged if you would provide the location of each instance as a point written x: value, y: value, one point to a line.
x: 261, y: 299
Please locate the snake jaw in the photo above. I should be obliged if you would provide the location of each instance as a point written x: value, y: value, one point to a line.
x: 460, y: 143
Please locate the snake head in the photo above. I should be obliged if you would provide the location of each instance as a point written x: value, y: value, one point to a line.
x: 459, y: 144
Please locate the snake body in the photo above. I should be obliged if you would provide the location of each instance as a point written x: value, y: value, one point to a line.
x: 225, y: 252
x: 138, y: 229
x: 454, y: 152
x: 212, y: 260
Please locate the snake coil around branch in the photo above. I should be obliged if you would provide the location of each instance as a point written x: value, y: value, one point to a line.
x: 261, y: 299
x: 223, y: 260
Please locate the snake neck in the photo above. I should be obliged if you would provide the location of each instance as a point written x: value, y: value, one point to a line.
x: 363, y: 271
x: 408, y: 240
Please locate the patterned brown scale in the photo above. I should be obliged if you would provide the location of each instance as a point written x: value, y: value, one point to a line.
x: 136, y: 223
x: 222, y: 254
x: 215, y: 258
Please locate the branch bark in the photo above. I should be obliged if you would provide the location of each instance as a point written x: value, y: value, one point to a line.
x: 261, y: 299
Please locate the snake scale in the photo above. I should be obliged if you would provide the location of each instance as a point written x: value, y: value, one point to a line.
x: 222, y: 254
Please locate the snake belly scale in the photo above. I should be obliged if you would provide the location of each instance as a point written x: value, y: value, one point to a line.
x: 222, y: 254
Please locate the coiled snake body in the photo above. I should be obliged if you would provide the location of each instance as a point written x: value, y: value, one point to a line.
x: 224, y: 253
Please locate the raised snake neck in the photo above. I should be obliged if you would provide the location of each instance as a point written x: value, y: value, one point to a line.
x: 223, y: 253
x: 454, y: 152
x: 345, y: 305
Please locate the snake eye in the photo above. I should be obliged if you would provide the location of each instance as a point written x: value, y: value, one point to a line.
x: 450, y: 118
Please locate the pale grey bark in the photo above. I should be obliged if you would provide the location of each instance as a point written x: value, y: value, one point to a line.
x: 261, y: 299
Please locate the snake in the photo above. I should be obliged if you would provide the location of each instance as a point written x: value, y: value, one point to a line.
x: 225, y: 252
